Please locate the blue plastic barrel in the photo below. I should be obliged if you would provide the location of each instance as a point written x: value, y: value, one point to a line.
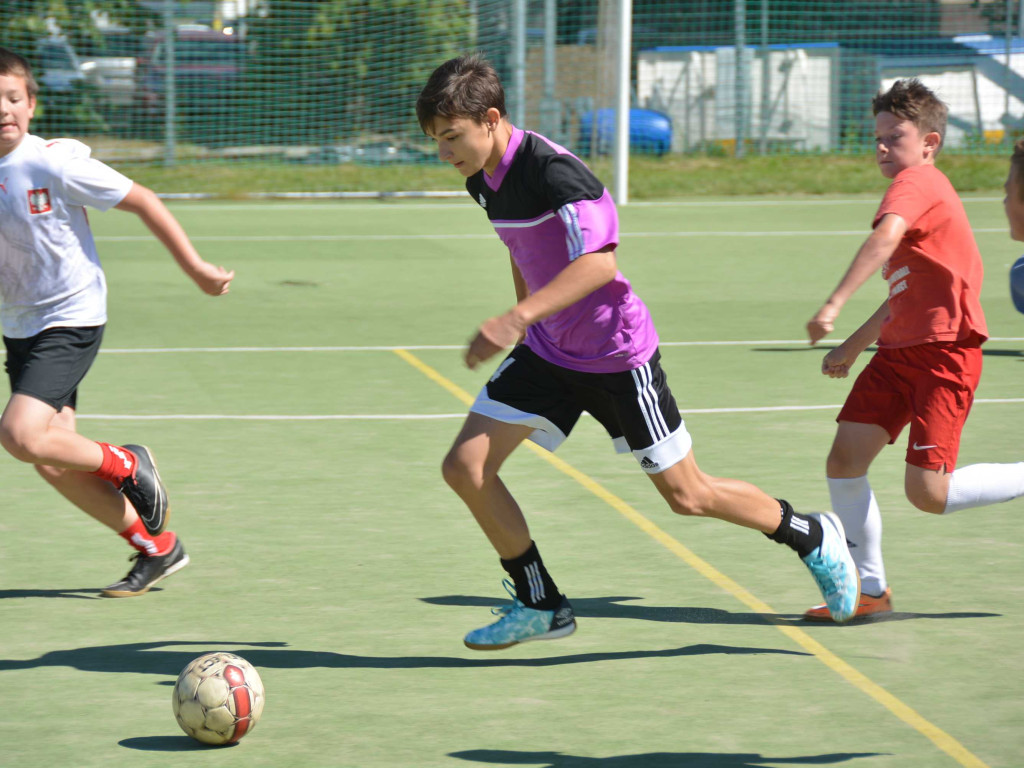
x: 650, y: 132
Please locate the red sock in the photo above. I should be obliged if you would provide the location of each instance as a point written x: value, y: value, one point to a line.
x: 136, y: 535
x: 118, y: 463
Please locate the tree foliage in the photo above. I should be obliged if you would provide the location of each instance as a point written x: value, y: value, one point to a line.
x: 24, y: 22
x: 335, y: 69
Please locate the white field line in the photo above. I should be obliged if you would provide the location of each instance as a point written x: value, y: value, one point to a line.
x: 492, y: 236
x: 201, y: 206
x: 442, y: 416
x: 867, y: 200
x: 435, y: 416
x: 219, y: 350
x: 269, y: 417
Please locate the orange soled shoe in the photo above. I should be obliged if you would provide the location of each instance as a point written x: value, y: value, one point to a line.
x: 868, y: 606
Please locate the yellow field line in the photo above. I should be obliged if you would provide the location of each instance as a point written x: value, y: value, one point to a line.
x: 933, y: 733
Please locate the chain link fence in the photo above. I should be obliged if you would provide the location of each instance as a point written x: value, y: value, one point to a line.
x: 335, y: 81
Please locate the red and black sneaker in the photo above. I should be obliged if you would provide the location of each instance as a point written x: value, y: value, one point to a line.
x: 147, y: 571
x: 145, y: 491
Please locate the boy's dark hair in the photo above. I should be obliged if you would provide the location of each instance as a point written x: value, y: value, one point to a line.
x: 466, y: 86
x: 912, y: 100
x: 13, y: 64
x: 1017, y: 166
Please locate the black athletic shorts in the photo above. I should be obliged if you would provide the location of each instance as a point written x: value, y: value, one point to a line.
x: 50, y: 365
x: 635, y: 407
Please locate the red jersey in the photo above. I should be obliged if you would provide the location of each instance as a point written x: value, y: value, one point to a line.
x: 935, y: 273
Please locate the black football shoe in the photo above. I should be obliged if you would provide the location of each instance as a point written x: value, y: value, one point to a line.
x: 146, y: 492
x: 147, y: 571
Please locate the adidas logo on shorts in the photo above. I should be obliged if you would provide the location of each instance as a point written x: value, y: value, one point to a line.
x: 646, y: 463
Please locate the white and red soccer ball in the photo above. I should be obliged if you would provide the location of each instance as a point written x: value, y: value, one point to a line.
x: 218, y: 698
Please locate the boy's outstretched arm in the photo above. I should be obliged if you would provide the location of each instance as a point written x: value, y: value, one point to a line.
x: 838, y: 361
x: 580, y: 278
x: 872, y: 255
x: 144, y: 203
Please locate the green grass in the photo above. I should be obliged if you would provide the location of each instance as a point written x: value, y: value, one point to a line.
x: 670, y: 177
x: 331, y: 555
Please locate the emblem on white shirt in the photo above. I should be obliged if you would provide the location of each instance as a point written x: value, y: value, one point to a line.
x: 39, y: 200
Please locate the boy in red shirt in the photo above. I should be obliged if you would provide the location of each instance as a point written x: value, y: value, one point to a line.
x: 929, y: 332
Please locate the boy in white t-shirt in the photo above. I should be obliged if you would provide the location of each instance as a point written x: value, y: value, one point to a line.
x: 53, y: 310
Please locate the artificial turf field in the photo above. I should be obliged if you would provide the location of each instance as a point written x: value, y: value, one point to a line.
x: 300, y: 423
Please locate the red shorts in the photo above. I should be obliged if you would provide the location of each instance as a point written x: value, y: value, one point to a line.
x: 929, y: 386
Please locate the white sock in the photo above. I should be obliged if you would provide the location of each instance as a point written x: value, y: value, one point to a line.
x: 854, y: 502
x: 982, y: 484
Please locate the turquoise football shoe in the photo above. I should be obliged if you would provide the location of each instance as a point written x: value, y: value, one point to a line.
x: 833, y: 568
x: 519, y: 623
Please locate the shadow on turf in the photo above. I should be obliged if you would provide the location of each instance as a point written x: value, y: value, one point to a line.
x: 79, y: 594
x: 824, y: 348
x: 613, y: 608
x: 151, y: 659
x: 169, y: 744
x: 1002, y: 352
x: 651, y: 759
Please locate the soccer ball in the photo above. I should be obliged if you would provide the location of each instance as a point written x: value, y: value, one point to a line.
x: 218, y: 698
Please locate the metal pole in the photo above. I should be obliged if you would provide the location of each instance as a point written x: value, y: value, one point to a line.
x: 169, y: 90
x: 1009, y: 71
x: 518, y: 111
x: 622, y: 93
x: 740, y: 19
x: 766, y: 82
x: 550, y: 113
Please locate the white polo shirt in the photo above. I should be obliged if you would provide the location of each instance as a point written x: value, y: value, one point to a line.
x: 50, y: 273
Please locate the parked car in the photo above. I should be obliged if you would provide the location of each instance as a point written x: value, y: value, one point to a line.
x: 57, y: 66
x: 208, y: 64
x: 111, y: 68
x: 66, y: 99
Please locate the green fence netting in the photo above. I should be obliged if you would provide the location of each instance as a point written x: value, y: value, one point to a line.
x: 334, y: 81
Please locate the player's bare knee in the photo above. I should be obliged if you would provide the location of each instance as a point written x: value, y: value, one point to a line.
x: 689, y: 503
x: 925, y: 501
x: 452, y: 470
x: 840, y: 464
x: 461, y: 473
x: 17, y: 442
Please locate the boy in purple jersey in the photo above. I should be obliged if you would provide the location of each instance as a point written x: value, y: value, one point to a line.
x: 583, y: 341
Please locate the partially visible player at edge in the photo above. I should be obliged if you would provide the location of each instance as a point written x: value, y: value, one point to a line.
x: 929, y: 331
x: 582, y: 341
x: 1013, y: 204
x: 53, y: 312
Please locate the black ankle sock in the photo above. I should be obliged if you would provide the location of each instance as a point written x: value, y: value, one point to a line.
x: 799, y: 532
x: 534, y: 587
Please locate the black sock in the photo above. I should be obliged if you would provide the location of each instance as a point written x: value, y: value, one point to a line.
x: 799, y: 532
x: 534, y: 587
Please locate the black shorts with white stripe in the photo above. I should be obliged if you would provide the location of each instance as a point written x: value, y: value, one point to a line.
x: 635, y: 407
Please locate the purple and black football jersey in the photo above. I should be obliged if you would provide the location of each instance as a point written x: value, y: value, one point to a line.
x: 550, y: 209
